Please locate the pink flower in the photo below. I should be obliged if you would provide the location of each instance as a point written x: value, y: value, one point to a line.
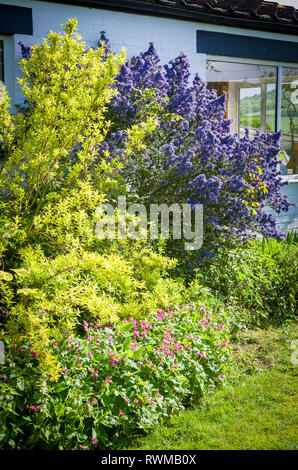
x: 127, y: 399
x: 95, y: 375
x: 218, y: 345
x: 20, y: 351
x: 137, y: 400
x: 121, y: 413
x: 140, y: 363
x: 94, y: 441
x: 110, y: 339
x: 224, y: 344
x: 133, y: 346
x: 144, y: 335
x: 64, y: 371
x: 90, y: 338
x: 85, y: 326
x: 98, y: 341
x: 89, y: 353
x: 94, y: 401
x: 108, y: 380
x: 115, y: 361
x: 136, y: 333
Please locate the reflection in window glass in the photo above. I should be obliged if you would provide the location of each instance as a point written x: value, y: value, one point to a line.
x: 1, y: 62
x: 251, y: 93
x: 289, y: 117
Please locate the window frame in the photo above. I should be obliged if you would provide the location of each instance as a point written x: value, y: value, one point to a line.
x: 279, y: 70
x: 8, y: 65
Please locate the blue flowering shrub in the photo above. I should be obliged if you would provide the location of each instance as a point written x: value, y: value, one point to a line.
x: 195, y: 158
x: 116, y: 380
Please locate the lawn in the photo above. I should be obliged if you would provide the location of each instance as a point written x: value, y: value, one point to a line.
x: 256, y: 409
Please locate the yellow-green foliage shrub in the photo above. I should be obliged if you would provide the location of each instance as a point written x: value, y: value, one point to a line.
x: 55, y: 272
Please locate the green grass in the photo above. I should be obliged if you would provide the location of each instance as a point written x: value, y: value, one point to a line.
x: 257, y: 409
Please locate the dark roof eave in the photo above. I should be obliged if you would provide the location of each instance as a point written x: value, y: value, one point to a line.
x: 183, y: 14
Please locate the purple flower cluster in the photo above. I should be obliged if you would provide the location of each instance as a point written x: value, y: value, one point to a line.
x: 25, y: 50
x: 197, y: 159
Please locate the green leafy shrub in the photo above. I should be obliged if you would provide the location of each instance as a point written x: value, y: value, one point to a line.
x: 115, y: 380
x: 261, y: 280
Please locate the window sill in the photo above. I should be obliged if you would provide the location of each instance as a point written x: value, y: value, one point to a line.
x: 290, y: 178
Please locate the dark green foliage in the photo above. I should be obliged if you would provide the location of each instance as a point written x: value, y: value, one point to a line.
x: 260, y: 279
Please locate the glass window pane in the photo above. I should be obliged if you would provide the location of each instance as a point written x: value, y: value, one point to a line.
x: 251, y: 93
x: 1, y: 62
x: 289, y: 118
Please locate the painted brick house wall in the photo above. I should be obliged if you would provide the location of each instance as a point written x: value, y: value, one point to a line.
x: 134, y: 32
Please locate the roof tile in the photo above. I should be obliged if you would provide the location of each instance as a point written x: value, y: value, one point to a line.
x: 260, y: 10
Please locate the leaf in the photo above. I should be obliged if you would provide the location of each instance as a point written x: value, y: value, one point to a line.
x: 11, y: 443
x: 22, y: 272
x: 182, y: 378
x: 125, y: 326
x: 33, y: 292
x: 126, y: 345
x: 138, y: 353
x: 4, y: 276
x: 60, y: 387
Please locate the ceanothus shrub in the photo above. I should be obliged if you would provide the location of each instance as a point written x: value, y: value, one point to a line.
x: 194, y: 159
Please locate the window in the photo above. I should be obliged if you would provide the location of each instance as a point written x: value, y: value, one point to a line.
x: 1, y: 62
x: 7, y: 70
x: 252, y: 100
x: 289, y: 117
